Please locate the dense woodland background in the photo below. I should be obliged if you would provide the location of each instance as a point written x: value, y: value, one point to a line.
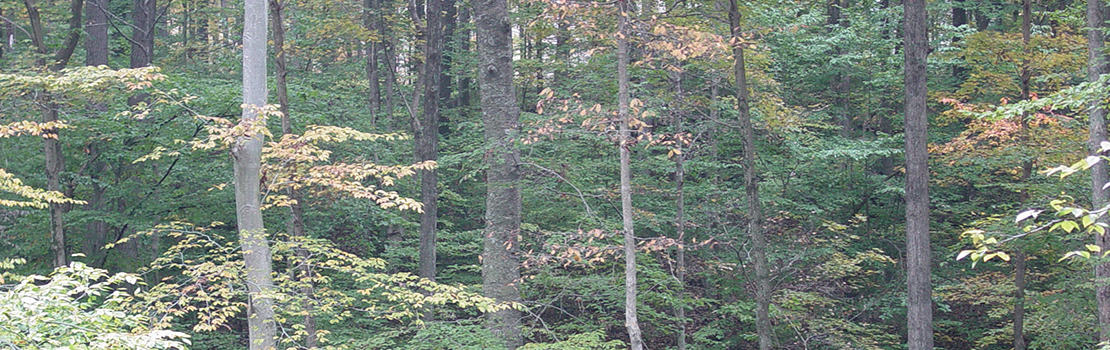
x: 379, y: 165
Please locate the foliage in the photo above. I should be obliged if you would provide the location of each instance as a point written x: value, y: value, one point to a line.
x: 77, y: 307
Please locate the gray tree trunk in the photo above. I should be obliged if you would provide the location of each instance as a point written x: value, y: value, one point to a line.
x: 680, y: 210
x: 55, y: 161
x: 247, y: 155
x: 96, y: 25
x: 295, y: 225
x: 501, y: 121
x: 918, y: 251
x: 427, y: 137
x: 751, y: 186
x: 630, y: 318
x: 1100, y: 174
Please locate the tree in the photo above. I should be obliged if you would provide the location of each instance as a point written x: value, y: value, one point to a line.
x: 751, y: 187
x: 919, y: 322
x: 247, y: 156
x: 501, y: 125
x: 1100, y: 173
x: 630, y: 318
x: 426, y: 129
x: 55, y: 162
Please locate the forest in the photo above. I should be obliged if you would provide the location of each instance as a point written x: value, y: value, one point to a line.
x: 554, y: 174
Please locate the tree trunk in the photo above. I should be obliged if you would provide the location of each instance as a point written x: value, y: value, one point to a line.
x: 52, y: 149
x: 630, y: 317
x: 462, y: 99
x: 751, y: 186
x: 144, y: 13
x: 427, y: 137
x: 1096, y: 66
x: 247, y: 155
x: 295, y: 225
x: 918, y: 251
x: 1026, y: 174
x: 501, y: 122
x: 371, y: 19
x: 1019, y: 299
x: 680, y: 209
x: 96, y: 45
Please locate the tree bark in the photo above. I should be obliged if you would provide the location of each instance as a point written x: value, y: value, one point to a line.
x: 52, y: 149
x: 143, y: 15
x: 1100, y: 174
x: 1019, y: 299
x: 680, y: 209
x: 501, y: 122
x: 918, y: 250
x: 295, y: 225
x: 427, y: 137
x: 247, y: 155
x: 630, y: 318
x: 751, y: 186
x: 96, y: 24
x: 371, y: 18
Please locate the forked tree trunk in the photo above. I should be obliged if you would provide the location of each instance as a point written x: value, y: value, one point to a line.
x: 501, y: 122
x: 751, y: 187
x: 247, y: 155
x: 623, y: 100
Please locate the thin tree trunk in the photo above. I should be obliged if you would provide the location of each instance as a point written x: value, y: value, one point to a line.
x: 1026, y: 174
x: 630, y: 318
x: 1100, y: 174
x: 295, y: 225
x: 751, y: 186
x: 680, y: 209
x: 501, y: 122
x: 462, y: 99
x: 371, y: 20
x: 427, y: 138
x: 959, y: 18
x: 918, y: 251
x: 1019, y: 299
x: 55, y: 161
x: 247, y: 155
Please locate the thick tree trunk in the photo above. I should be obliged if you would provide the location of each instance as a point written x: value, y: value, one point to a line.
x: 1100, y: 174
x: 751, y: 186
x: 427, y: 137
x: 501, y: 122
x: 96, y: 24
x: 143, y: 15
x: 630, y: 318
x: 247, y: 155
x: 918, y: 250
